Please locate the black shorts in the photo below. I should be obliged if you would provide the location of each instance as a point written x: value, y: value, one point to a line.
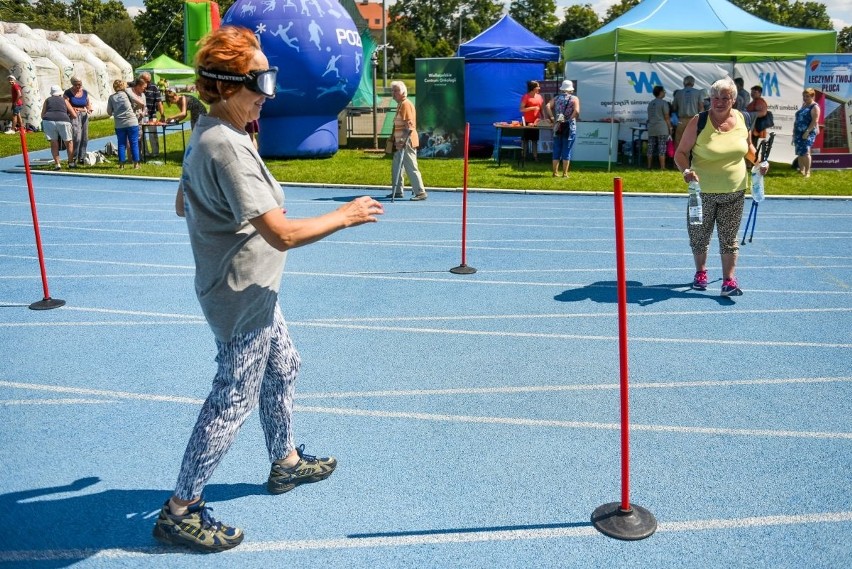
x: 530, y: 134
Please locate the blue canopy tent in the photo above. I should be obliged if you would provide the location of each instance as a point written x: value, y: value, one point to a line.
x: 497, y: 65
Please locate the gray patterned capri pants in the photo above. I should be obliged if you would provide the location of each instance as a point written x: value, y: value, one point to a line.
x: 725, y: 211
x: 255, y: 368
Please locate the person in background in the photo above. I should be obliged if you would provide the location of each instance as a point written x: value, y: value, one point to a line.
x: 659, y: 127
x: 565, y: 108
x: 805, y: 129
x: 186, y: 104
x: 120, y: 108
x: 154, y: 109
x: 17, y: 99
x: 687, y: 103
x: 742, y: 95
x: 405, y: 142
x: 56, y: 116
x: 719, y: 155
x: 240, y: 237
x: 136, y: 93
x: 82, y: 105
x: 758, y: 108
x: 532, y: 104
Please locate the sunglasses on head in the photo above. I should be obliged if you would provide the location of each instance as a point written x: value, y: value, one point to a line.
x: 258, y: 80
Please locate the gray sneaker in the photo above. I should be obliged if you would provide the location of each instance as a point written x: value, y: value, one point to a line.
x: 419, y: 197
x: 308, y: 469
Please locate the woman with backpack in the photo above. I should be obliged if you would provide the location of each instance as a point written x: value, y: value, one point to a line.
x: 565, y: 107
x: 713, y: 150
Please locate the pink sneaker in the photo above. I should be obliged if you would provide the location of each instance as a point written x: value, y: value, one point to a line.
x: 730, y: 288
x: 699, y: 282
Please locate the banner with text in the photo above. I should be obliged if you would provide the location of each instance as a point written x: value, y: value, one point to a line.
x: 440, y: 106
x: 830, y: 75
x: 635, y: 81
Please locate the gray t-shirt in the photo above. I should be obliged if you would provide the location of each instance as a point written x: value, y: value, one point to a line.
x: 119, y: 107
x: 225, y: 184
x: 685, y: 102
x: 658, y: 110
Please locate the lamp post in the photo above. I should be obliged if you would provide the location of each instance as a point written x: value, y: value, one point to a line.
x: 384, y: 42
x: 374, y: 63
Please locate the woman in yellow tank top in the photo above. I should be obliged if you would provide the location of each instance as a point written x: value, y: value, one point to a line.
x: 718, y: 161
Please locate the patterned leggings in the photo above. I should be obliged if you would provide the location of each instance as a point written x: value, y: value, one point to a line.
x: 726, y: 212
x: 256, y: 367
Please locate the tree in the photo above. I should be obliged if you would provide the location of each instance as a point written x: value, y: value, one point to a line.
x: 435, y: 26
x: 16, y: 11
x: 844, y: 40
x: 477, y: 16
x: 579, y: 22
x: 50, y: 15
x: 538, y: 16
x: 808, y: 15
x: 121, y: 35
x: 161, y: 28
x: 617, y: 10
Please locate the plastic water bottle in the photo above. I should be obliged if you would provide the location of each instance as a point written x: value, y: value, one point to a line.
x: 757, y: 182
x: 696, y: 210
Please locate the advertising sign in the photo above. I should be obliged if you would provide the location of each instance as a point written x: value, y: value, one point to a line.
x: 440, y: 106
x: 634, y: 83
x: 830, y: 75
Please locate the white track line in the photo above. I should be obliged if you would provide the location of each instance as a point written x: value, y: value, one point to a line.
x: 438, y: 417
x: 432, y: 537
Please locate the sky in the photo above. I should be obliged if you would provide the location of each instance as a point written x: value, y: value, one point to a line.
x: 840, y: 11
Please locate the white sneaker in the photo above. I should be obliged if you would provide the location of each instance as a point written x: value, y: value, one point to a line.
x: 10, y: 131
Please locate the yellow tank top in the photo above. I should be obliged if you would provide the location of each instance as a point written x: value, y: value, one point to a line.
x: 718, y: 157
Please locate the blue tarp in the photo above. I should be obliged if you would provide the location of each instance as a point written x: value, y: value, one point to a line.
x: 497, y: 65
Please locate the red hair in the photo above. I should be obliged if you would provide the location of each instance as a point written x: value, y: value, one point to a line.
x: 229, y: 48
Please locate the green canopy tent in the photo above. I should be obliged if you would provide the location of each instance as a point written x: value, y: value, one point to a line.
x: 696, y: 30
x: 693, y: 31
x: 167, y: 68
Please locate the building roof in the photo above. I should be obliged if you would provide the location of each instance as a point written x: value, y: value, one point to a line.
x: 372, y: 12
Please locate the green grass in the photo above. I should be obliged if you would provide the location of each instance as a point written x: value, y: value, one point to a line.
x: 359, y: 168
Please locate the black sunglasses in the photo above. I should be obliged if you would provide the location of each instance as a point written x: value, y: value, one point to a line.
x: 258, y: 80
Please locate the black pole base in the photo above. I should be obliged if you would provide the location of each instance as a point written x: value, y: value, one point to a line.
x: 631, y: 525
x: 463, y: 270
x: 47, y: 304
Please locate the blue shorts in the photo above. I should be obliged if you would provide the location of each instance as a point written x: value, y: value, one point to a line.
x: 16, y: 109
x: 563, y: 146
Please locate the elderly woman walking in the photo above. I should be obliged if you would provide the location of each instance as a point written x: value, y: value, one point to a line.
x: 56, y: 117
x: 718, y: 155
x: 239, y: 237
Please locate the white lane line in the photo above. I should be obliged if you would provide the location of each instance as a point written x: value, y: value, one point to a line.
x: 95, y: 262
x: 500, y: 334
x: 103, y: 323
x: 438, y: 417
x: 433, y: 537
x: 68, y: 401
x: 443, y: 331
x: 558, y: 316
x: 107, y: 393
x: 561, y: 388
x: 554, y: 423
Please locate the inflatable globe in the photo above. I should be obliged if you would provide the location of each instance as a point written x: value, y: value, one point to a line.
x: 317, y: 49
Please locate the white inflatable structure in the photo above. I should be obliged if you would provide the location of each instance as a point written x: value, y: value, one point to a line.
x: 40, y: 58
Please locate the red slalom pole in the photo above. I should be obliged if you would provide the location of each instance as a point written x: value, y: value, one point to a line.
x: 463, y: 269
x: 623, y: 520
x: 47, y: 302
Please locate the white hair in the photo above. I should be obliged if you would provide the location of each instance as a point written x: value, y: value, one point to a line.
x: 725, y: 85
x: 403, y: 90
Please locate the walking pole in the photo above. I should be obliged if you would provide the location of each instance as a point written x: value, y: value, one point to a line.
x: 757, y: 187
x: 397, y: 152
